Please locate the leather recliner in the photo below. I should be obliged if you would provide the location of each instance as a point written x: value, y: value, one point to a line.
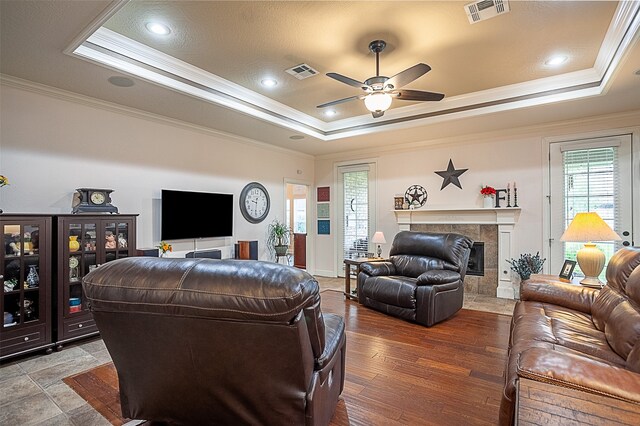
x: 423, y: 279
x: 218, y: 342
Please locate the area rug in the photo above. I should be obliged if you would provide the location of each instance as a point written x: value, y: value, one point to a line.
x: 99, y: 387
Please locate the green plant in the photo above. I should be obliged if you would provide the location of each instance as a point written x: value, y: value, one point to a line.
x: 527, y: 264
x: 278, y: 235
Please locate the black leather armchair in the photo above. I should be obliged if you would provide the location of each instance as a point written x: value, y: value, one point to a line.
x: 423, y: 279
x: 218, y: 342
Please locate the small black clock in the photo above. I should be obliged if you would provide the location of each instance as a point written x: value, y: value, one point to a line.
x: 254, y: 202
x: 93, y: 200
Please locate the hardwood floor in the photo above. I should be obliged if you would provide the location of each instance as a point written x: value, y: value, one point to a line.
x: 397, y: 373
x: 402, y: 373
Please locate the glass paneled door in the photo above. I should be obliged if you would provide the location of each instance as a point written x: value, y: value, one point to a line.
x: 356, y: 202
x: 593, y: 175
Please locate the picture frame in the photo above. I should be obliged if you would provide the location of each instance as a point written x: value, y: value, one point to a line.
x: 323, y: 210
x: 567, y: 270
x: 397, y: 202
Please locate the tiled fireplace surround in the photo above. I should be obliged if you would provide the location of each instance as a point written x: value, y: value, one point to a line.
x: 494, y: 227
x: 487, y: 284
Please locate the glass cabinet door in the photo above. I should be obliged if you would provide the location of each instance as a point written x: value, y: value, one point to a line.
x: 116, y: 240
x: 21, y: 301
x: 81, y: 257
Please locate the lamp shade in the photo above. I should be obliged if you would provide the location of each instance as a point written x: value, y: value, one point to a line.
x: 376, y: 102
x: 589, y: 227
x: 378, y: 238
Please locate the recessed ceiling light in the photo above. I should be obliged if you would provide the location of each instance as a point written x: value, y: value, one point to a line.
x: 158, y: 28
x: 330, y: 112
x: 120, y: 81
x: 556, y: 60
x: 296, y: 137
x: 269, y: 82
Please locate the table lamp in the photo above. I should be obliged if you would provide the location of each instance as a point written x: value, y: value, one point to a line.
x: 589, y: 227
x: 378, y: 238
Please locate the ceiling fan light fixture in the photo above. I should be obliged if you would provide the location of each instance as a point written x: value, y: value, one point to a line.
x: 377, y: 102
x: 330, y: 112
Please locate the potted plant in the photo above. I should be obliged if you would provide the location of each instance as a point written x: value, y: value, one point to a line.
x: 278, y: 237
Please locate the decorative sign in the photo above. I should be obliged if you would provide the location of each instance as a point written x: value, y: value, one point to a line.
x: 416, y: 195
x: 451, y: 175
x: 323, y: 194
x: 324, y: 227
x: 323, y: 210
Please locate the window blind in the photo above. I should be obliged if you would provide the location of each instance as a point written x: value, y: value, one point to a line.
x: 590, y: 181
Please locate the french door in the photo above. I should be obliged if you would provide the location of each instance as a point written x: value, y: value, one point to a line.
x: 356, y: 205
x: 590, y: 175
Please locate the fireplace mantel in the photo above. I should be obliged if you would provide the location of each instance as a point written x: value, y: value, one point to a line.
x: 476, y: 215
x: 505, y: 218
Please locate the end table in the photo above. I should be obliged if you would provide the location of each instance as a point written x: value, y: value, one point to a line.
x: 348, y: 263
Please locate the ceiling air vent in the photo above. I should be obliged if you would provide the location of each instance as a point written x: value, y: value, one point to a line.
x: 485, y: 9
x: 302, y: 71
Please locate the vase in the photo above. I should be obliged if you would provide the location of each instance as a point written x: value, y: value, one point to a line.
x: 487, y: 202
x: 74, y: 245
x: 32, y: 278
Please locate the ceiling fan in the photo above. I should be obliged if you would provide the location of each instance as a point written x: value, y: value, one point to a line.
x: 380, y: 90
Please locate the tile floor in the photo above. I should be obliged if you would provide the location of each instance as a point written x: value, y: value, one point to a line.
x: 32, y: 391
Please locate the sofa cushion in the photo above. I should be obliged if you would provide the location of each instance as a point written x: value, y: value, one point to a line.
x: 412, y: 265
x: 562, y: 327
x: 392, y: 290
x: 616, y: 310
x: 448, y: 247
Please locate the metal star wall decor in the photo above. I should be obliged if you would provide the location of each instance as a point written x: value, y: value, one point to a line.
x: 451, y: 175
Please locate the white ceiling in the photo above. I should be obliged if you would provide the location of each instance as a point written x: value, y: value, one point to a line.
x: 208, y: 70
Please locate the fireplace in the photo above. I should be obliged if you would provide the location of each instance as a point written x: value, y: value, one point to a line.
x: 476, y: 260
x: 493, y: 227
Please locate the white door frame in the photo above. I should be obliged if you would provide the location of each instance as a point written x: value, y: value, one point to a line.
x: 335, y: 208
x: 546, y: 184
x: 311, y: 240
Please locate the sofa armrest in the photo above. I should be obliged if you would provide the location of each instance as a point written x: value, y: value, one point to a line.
x: 579, y: 372
x: 378, y: 268
x: 570, y: 296
x: 438, y: 276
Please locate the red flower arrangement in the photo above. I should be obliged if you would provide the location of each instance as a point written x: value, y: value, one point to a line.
x: 487, y: 191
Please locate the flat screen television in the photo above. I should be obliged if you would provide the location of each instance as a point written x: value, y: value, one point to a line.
x: 189, y: 215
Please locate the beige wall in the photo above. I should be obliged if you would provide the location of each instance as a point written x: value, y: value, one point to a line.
x: 492, y: 159
x: 50, y: 145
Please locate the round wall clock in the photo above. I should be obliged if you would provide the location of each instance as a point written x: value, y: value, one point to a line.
x: 416, y: 195
x: 254, y: 202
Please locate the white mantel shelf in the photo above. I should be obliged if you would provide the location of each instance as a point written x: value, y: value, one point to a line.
x: 459, y: 215
x: 505, y: 218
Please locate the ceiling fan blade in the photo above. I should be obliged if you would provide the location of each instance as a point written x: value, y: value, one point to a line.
x: 418, y: 95
x: 339, y: 101
x: 346, y: 80
x: 377, y: 114
x: 407, y: 76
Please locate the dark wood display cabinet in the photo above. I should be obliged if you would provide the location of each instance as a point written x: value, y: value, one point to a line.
x: 25, y: 276
x: 85, y: 242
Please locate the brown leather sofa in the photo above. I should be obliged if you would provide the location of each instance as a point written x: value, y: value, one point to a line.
x: 218, y: 342
x: 578, y: 337
x: 423, y: 279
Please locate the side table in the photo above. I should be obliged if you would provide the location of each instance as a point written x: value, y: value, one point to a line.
x: 348, y: 264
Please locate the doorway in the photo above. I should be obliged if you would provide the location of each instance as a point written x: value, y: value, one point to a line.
x: 296, y: 213
x: 356, y: 205
x: 590, y: 175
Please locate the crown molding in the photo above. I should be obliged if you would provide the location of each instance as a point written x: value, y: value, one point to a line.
x: 64, y: 95
x: 552, y: 130
x: 115, y: 51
